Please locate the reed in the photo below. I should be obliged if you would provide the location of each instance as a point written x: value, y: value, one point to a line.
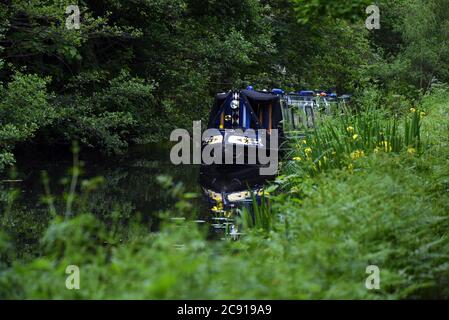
x: 339, y: 142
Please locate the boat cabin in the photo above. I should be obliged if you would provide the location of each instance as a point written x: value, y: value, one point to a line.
x: 246, y: 109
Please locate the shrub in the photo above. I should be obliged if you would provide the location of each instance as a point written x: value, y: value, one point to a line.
x: 24, y: 108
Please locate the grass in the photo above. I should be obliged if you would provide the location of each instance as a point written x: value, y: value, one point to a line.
x: 340, y: 140
x: 259, y: 216
x: 390, y: 209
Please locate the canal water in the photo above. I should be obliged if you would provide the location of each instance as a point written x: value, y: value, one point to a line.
x: 130, y: 186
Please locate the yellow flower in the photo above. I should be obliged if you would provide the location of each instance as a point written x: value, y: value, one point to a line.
x: 412, y: 110
x: 350, y: 129
x: 376, y: 150
x: 411, y: 150
x: 422, y: 115
x: 297, y: 159
x: 357, y: 154
x: 217, y: 208
x: 308, y: 151
x: 227, y: 213
x: 355, y: 136
x: 304, y: 141
x: 350, y: 167
x: 263, y: 193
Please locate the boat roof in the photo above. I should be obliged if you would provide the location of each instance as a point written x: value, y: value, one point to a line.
x: 255, y: 96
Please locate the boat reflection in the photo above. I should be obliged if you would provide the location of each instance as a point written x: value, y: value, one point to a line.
x: 229, y: 190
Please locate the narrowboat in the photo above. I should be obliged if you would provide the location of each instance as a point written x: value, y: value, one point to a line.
x: 255, y: 114
x: 246, y: 123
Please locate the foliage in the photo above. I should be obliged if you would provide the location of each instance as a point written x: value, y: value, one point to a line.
x: 342, y: 141
x: 24, y: 108
x: 391, y: 212
x: 259, y: 216
x: 418, y: 56
x: 366, y: 187
x: 110, y: 118
x: 136, y: 70
x: 308, y: 10
x: 344, y: 54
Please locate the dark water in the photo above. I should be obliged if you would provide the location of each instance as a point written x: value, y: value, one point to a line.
x: 130, y: 187
x: 130, y: 180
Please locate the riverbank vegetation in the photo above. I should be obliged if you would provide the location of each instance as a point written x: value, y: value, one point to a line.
x: 387, y: 208
x: 366, y: 187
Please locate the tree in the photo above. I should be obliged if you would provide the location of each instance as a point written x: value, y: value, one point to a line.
x: 312, y: 10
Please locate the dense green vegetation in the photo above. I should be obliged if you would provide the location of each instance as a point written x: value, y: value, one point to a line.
x: 137, y: 69
x: 389, y: 209
x: 368, y: 187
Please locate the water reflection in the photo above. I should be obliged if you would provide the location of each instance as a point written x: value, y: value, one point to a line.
x: 130, y: 187
x: 229, y: 190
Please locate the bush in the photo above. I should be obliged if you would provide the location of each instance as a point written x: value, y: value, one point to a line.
x: 120, y: 113
x: 24, y: 109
